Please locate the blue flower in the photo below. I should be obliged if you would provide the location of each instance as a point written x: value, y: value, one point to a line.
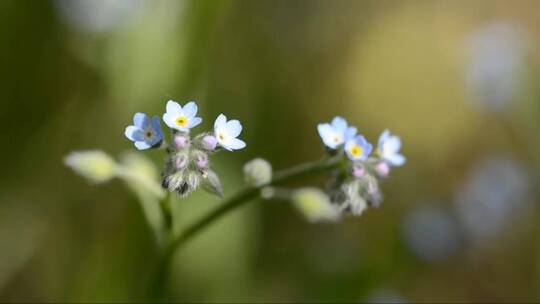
x: 357, y: 148
x: 181, y: 118
x: 336, y: 133
x: 145, y: 132
x: 388, y: 149
x: 226, y: 133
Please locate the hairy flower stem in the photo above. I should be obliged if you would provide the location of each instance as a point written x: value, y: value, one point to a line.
x: 237, y: 200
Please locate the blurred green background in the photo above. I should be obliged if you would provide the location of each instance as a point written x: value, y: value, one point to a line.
x: 459, y: 81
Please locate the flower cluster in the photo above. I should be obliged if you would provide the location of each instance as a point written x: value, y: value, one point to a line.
x: 354, y: 183
x: 187, y: 166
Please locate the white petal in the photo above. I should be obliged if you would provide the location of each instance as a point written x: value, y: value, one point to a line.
x: 324, y: 130
x: 236, y: 144
x: 384, y: 136
x: 327, y: 135
x: 169, y: 120
x: 193, y: 122
x: 339, y: 124
x: 133, y: 133
x: 351, y: 142
x: 392, y: 144
x: 173, y: 107
x: 224, y: 142
x: 221, y: 120
x: 350, y: 133
x: 234, y: 128
x: 190, y: 109
x: 397, y: 160
x: 141, y: 145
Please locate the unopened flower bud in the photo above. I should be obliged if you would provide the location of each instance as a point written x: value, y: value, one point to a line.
x: 181, y: 162
x: 258, y: 172
x: 358, y: 172
x: 315, y: 205
x: 209, y: 142
x: 96, y: 166
x: 382, y: 169
x: 181, y: 141
x: 202, y: 162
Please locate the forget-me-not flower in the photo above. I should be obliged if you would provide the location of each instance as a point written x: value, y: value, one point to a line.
x: 145, y: 131
x: 357, y: 148
x: 336, y: 133
x: 181, y: 118
x: 226, y: 133
x: 388, y: 149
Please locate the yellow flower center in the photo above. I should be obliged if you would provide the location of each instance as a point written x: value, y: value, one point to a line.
x: 356, y: 151
x: 182, y: 121
x: 221, y: 136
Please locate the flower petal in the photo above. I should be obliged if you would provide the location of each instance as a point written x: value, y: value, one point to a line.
x: 190, y: 109
x: 392, y: 144
x: 350, y: 133
x: 154, y: 141
x: 234, y: 128
x: 156, y: 126
x: 366, y: 149
x: 173, y: 107
x: 138, y: 119
x: 169, y: 120
x: 133, y: 133
x: 339, y: 124
x: 327, y: 134
x: 220, y: 122
x: 397, y: 160
x: 384, y: 136
x: 141, y: 145
x: 236, y: 144
x: 193, y: 122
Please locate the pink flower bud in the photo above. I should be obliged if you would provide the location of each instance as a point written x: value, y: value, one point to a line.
x: 209, y: 142
x: 382, y: 169
x: 358, y: 172
x: 373, y: 189
x: 202, y: 162
x: 180, y: 141
x: 181, y: 162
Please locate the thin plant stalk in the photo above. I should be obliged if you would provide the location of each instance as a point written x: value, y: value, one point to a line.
x: 158, y: 285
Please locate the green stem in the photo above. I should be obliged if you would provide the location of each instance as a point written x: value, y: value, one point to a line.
x: 237, y: 200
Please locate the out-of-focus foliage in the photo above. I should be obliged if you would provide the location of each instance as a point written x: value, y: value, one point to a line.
x: 457, y: 80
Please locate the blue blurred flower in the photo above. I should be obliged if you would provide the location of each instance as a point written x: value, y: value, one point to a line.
x: 496, y: 65
x: 432, y: 232
x: 181, y: 118
x: 226, y: 133
x: 388, y: 149
x: 357, y: 148
x: 497, y: 197
x: 336, y: 133
x: 145, y: 132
